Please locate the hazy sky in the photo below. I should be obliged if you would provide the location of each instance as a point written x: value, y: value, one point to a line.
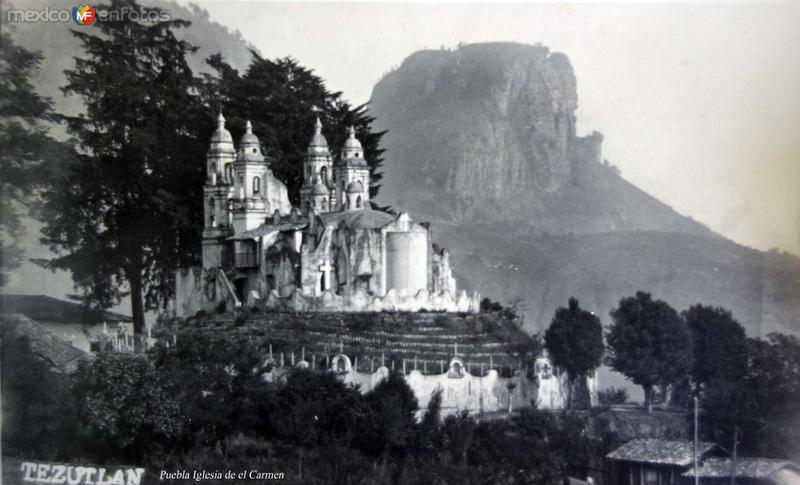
x: 699, y: 103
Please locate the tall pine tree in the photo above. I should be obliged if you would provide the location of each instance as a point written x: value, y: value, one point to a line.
x: 127, y: 211
x: 29, y: 154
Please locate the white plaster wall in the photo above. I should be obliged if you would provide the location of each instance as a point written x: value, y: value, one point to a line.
x: 554, y: 385
x: 460, y: 391
x: 407, y: 262
x: 362, y: 302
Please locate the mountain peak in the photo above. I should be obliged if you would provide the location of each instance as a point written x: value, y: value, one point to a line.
x: 487, y: 132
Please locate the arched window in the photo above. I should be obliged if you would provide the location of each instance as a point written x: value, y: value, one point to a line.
x: 211, y: 212
x: 358, y: 202
x: 256, y: 185
x: 212, y: 169
x: 323, y: 175
x: 229, y: 172
x: 324, y: 205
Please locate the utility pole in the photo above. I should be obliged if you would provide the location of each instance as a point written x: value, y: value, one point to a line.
x: 696, y: 424
x: 733, y: 461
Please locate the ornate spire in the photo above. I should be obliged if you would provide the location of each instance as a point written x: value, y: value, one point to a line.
x: 221, y: 135
x: 248, y: 138
x: 318, y: 145
x: 249, y: 146
x: 352, y: 151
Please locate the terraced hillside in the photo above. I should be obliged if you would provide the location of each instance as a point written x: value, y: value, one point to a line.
x: 427, y: 340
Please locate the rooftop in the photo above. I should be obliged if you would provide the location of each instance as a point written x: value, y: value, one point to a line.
x: 56, y: 352
x: 44, y: 308
x: 745, y: 468
x: 359, y: 219
x: 661, y: 452
x: 271, y: 228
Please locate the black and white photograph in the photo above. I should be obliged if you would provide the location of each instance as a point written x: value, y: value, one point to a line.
x: 411, y: 242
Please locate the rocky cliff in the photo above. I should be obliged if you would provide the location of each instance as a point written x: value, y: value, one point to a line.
x: 487, y: 133
x: 481, y: 140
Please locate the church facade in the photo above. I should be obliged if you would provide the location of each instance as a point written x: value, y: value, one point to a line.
x: 332, y: 253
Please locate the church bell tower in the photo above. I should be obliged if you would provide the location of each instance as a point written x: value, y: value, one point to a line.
x: 216, y: 191
x: 352, y: 176
x: 317, y: 174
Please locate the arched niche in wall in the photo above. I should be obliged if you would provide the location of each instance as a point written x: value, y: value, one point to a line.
x: 341, y: 364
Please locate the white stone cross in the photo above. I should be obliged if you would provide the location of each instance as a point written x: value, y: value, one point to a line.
x: 326, y: 269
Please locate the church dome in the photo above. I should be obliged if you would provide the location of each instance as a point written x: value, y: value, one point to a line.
x: 249, y: 146
x: 249, y: 139
x: 318, y: 144
x: 352, y: 152
x: 352, y: 142
x: 354, y: 188
x: 221, y: 135
x: 320, y: 189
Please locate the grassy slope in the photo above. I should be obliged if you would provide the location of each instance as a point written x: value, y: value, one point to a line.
x: 430, y: 337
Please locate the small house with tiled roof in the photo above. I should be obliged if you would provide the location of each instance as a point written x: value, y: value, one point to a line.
x: 746, y: 471
x: 71, y: 322
x: 59, y: 355
x: 656, y: 461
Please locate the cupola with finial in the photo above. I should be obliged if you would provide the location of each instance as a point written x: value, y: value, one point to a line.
x: 249, y: 146
x: 221, y: 153
x: 318, y: 145
x: 352, y: 152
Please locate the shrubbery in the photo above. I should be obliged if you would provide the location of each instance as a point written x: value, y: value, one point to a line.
x: 204, y: 404
x: 613, y: 395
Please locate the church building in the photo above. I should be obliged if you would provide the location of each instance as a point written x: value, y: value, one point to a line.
x: 333, y: 253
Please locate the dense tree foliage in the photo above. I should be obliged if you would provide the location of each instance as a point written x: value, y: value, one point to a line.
x: 392, y: 406
x: 124, y: 407
x: 217, y: 383
x: 649, y: 343
x: 29, y: 154
x: 281, y: 99
x: 38, y: 415
x: 125, y: 213
x: 720, y: 344
x: 203, y: 401
x: 314, y: 408
x: 760, y: 400
x: 574, y: 341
